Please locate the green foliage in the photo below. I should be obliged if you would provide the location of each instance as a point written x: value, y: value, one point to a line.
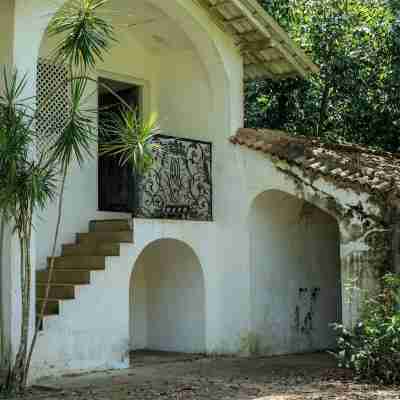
x: 130, y: 138
x: 372, y: 348
x: 26, y: 183
x: 77, y: 136
x: 356, y: 96
x: 85, y: 35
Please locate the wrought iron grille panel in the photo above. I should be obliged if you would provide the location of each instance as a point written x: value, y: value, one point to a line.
x: 179, y: 184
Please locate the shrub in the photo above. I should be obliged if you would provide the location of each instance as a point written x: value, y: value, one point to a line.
x: 372, y: 348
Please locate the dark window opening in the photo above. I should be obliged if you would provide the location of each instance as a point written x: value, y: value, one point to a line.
x: 116, y: 183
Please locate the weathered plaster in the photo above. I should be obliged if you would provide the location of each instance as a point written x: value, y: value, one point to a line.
x: 93, y: 331
x: 366, y: 247
x: 198, y: 91
x: 295, y: 275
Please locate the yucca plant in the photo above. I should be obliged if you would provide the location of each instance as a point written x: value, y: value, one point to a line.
x: 85, y: 34
x: 130, y: 138
x: 26, y: 185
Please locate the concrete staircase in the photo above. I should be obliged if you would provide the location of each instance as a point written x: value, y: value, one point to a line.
x: 73, y: 268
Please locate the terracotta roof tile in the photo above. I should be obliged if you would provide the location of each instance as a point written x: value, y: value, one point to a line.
x: 349, y: 165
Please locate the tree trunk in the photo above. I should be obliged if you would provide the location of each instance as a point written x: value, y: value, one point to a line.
x: 51, y: 269
x: 16, y: 381
x: 323, y: 109
x: 3, y: 344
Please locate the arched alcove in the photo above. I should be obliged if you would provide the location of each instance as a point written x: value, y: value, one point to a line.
x: 156, y: 47
x: 166, y: 51
x: 167, y: 299
x: 295, y: 275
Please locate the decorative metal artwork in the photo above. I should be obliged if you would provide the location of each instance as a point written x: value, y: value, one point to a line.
x: 179, y: 185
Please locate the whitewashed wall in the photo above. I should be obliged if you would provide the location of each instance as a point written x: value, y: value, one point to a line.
x: 82, y: 183
x: 93, y: 331
x: 168, y: 299
x: 185, y: 97
x: 177, y: 86
x: 198, y: 92
x: 259, y: 173
x: 7, y: 31
x: 295, y: 275
x: 190, y: 88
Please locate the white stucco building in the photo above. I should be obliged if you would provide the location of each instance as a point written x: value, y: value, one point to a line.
x: 234, y: 250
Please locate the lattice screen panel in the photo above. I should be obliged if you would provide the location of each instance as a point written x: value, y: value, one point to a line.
x: 52, y: 101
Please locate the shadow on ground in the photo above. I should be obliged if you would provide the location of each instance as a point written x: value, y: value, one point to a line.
x: 166, y: 376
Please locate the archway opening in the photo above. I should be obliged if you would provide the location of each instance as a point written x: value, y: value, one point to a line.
x: 164, y: 50
x: 167, y: 299
x: 295, y: 275
x: 161, y: 51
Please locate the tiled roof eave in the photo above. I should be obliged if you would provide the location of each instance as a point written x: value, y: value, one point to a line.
x: 347, y: 167
x: 267, y: 49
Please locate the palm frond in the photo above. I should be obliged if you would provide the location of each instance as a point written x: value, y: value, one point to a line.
x: 12, y: 87
x: 24, y: 182
x: 15, y: 139
x: 129, y: 138
x: 85, y: 35
x: 42, y: 183
x: 77, y: 136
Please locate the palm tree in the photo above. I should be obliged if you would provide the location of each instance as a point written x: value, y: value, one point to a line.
x: 26, y: 185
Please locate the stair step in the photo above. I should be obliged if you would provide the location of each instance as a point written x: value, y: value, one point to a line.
x: 77, y: 261
x: 110, y: 225
x: 85, y: 262
x: 52, y: 307
x: 111, y: 237
x: 65, y: 276
x: 57, y: 291
x: 98, y: 249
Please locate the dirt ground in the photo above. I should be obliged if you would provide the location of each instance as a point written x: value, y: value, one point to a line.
x: 183, y: 377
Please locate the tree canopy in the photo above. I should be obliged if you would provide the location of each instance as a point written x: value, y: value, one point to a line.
x: 356, y: 96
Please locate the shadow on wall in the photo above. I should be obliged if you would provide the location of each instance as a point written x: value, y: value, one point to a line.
x: 167, y: 309
x: 295, y: 275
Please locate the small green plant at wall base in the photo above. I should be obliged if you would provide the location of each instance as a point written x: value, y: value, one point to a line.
x: 372, y: 348
x: 250, y: 344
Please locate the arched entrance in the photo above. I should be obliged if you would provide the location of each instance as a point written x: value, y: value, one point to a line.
x: 295, y: 275
x: 167, y: 299
x: 167, y: 53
